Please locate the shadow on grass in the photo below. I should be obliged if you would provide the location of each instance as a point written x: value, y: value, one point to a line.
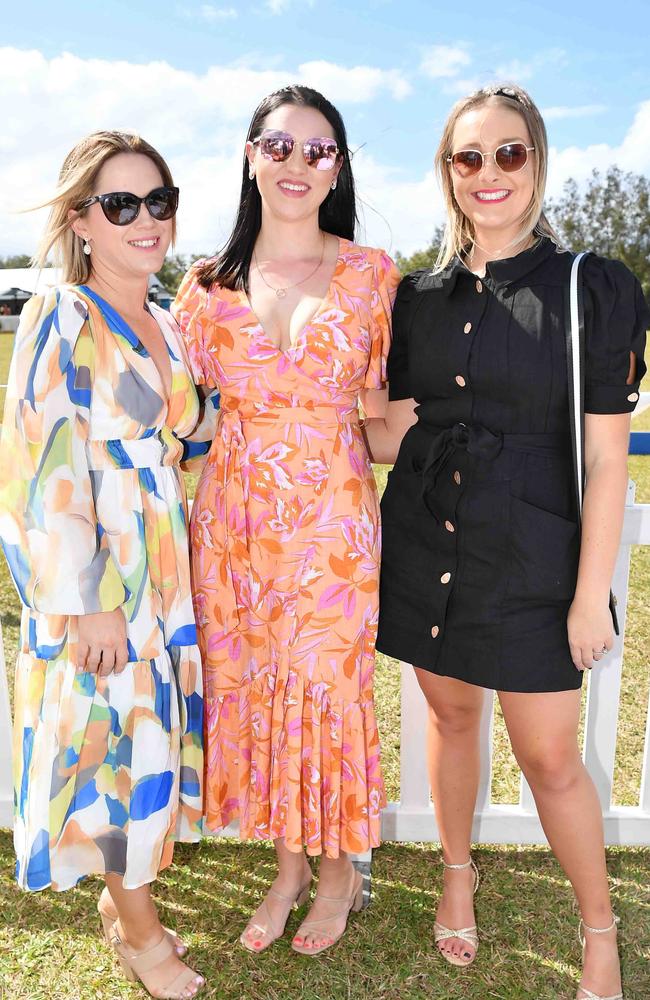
x: 50, y: 945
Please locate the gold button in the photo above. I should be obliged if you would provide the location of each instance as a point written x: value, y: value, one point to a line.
x: 460, y: 381
x: 467, y: 327
x: 445, y: 578
x: 479, y: 287
x: 434, y: 631
x: 633, y: 397
x: 457, y: 477
x: 449, y: 526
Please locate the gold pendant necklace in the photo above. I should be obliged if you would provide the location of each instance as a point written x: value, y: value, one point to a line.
x: 281, y: 292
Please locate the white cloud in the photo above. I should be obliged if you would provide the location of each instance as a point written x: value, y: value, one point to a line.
x: 519, y: 70
x: 357, y: 84
x: 279, y: 6
x: 633, y: 154
x: 580, y: 111
x: 199, y: 120
x: 443, y: 61
x: 211, y: 13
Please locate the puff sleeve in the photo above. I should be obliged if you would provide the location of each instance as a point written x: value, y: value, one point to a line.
x: 385, y: 279
x: 398, y: 359
x: 616, y: 320
x: 188, y: 309
x: 56, y: 549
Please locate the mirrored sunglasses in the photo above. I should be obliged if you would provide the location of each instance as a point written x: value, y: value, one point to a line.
x: 319, y: 152
x: 122, y: 207
x: 509, y: 157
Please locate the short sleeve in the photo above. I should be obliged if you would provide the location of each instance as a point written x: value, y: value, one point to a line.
x: 188, y: 309
x: 57, y: 551
x: 398, y: 359
x: 385, y: 280
x: 616, y: 320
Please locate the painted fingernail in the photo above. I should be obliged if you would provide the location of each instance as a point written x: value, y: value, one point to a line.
x: 257, y: 944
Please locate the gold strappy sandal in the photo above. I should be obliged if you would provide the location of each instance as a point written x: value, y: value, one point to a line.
x: 468, y: 934
x: 270, y: 931
x: 583, y: 993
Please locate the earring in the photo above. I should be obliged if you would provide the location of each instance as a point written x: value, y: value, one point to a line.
x: 87, y: 248
x: 251, y: 173
x: 333, y: 185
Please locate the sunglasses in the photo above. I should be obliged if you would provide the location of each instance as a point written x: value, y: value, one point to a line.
x: 509, y: 157
x: 321, y: 153
x: 122, y: 207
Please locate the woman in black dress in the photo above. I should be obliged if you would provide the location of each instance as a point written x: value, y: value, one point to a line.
x: 485, y: 582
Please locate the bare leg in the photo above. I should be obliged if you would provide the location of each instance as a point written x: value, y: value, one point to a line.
x: 543, y: 730
x: 108, y: 906
x: 454, y: 726
x: 140, y: 928
x: 293, y: 873
x: 336, y: 881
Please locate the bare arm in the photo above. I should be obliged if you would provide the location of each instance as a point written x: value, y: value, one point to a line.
x: 589, y: 621
x: 386, y: 424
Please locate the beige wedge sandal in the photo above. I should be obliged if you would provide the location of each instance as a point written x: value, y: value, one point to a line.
x: 583, y: 993
x: 269, y: 929
x: 353, y: 902
x: 468, y: 934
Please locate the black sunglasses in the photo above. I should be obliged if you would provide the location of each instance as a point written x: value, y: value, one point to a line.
x: 122, y: 207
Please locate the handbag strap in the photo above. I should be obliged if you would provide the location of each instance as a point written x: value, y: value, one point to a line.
x: 575, y: 353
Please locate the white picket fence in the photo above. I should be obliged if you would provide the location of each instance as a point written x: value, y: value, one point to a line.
x: 413, y: 817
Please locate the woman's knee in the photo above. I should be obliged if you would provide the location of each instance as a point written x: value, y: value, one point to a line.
x: 454, y: 707
x: 550, y: 767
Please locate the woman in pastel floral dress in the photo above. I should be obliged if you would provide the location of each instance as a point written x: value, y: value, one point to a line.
x: 108, y: 696
x: 292, y: 324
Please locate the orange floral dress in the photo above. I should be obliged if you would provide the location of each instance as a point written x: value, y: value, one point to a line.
x: 285, y: 561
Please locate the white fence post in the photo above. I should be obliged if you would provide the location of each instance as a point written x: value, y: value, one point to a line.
x: 413, y: 818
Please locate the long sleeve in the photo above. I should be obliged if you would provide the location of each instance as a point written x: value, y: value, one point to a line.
x: 57, y: 550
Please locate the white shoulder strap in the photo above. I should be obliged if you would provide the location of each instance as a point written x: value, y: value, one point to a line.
x: 576, y: 394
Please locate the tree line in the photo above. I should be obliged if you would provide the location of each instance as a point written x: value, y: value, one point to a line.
x: 609, y: 215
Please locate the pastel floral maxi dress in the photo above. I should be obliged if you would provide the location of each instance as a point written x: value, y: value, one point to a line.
x: 285, y: 561
x: 108, y: 770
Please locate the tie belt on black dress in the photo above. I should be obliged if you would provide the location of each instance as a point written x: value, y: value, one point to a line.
x: 479, y: 443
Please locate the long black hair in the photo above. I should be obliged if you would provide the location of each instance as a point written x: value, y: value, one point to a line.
x: 337, y: 214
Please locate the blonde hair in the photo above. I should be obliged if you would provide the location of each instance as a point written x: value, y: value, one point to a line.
x: 76, y: 183
x: 459, y: 231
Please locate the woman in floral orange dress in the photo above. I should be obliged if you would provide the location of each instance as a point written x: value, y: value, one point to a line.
x: 291, y: 323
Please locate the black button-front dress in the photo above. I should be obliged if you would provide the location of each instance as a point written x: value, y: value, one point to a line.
x: 480, y: 540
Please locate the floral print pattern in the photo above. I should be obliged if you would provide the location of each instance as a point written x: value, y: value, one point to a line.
x: 285, y: 561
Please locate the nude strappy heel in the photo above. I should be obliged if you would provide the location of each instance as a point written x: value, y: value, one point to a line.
x: 468, y: 934
x: 136, y: 964
x: 270, y: 931
x: 108, y: 918
x: 583, y: 993
x: 352, y: 902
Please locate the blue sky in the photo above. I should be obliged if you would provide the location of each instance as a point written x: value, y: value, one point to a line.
x: 188, y: 75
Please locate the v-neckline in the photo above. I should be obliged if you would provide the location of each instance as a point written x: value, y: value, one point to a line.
x: 263, y: 335
x: 124, y: 329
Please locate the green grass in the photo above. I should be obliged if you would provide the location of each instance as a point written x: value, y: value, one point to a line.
x: 50, y: 947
